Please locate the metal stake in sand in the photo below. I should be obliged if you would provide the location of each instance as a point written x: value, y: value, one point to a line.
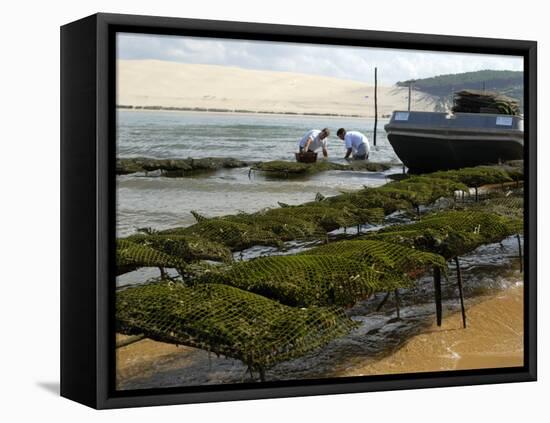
x: 437, y: 291
x: 162, y: 273
x: 383, y: 301
x: 262, y: 374
x: 460, y: 291
x: 396, y: 293
x: 519, y: 254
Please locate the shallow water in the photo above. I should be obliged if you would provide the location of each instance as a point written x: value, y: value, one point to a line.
x: 159, y: 202
x: 242, y: 136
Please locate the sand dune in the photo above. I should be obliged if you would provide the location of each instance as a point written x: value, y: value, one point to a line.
x: 170, y: 84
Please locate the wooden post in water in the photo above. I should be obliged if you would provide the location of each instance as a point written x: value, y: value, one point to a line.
x: 461, y: 293
x: 375, y: 104
x: 437, y: 290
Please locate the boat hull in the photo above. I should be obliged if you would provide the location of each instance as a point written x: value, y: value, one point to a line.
x: 431, y: 141
x: 421, y: 153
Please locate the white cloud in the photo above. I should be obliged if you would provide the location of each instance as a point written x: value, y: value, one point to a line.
x: 336, y: 61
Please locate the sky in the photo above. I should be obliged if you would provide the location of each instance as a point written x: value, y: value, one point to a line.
x: 355, y: 63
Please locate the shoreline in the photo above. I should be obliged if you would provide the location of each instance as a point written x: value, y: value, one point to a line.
x: 493, y: 339
x: 243, y: 112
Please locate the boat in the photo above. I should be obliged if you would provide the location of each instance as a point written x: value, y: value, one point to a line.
x: 431, y: 141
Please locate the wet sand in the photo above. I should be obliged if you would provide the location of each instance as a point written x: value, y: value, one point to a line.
x: 493, y: 338
x: 144, y: 357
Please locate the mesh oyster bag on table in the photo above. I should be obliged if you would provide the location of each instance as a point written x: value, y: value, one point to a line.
x: 131, y: 256
x: 236, y: 236
x: 228, y: 321
x: 390, y: 259
x: 451, y: 233
x: 284, y: 169
x: 184, y: 247
x: 304, y: 280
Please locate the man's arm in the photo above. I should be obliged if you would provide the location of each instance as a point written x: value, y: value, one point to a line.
x: 325, y: 152
x: 348, y: 144
x: 308, y: 143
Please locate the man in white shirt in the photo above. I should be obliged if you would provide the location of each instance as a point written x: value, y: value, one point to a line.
x: 315, y: 139
x: 356, y: 143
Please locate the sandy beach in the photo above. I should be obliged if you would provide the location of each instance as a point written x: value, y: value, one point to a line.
x: 169, y: 84
x: 493, y: 338
x: 142, y: 358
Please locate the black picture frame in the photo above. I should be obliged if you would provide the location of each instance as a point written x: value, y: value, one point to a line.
x: 87, y: 208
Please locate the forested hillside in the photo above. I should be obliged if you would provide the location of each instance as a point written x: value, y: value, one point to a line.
x: 509, y: 83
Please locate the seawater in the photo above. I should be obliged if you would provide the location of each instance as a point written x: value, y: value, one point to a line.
x: 160, y: 203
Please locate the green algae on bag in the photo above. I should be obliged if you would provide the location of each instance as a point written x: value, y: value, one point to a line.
x: 450, y: 233
x: 286, y: 225
x: 304, y: 280
x: 131, y: 256
x: 475, y: 176
x: 389, y: 259
x: 234, y: 235
x: 176, y: 167
x: 282, y: 168
x: 228, y: 321
x: 188, y: 248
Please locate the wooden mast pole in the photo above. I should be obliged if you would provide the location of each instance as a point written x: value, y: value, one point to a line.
x: 375, y: 103
x: 410, y: 91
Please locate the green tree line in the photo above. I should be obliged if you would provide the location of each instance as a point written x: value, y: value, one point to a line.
x: 509, y: 83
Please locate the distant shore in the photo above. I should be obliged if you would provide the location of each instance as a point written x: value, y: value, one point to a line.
x: 493, y: 338
x: 242, y: 111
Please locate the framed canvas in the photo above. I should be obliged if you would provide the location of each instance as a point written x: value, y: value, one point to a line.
x: 257, y: 211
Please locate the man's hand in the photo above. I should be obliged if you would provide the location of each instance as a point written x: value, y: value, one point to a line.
x: 348, y: 153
